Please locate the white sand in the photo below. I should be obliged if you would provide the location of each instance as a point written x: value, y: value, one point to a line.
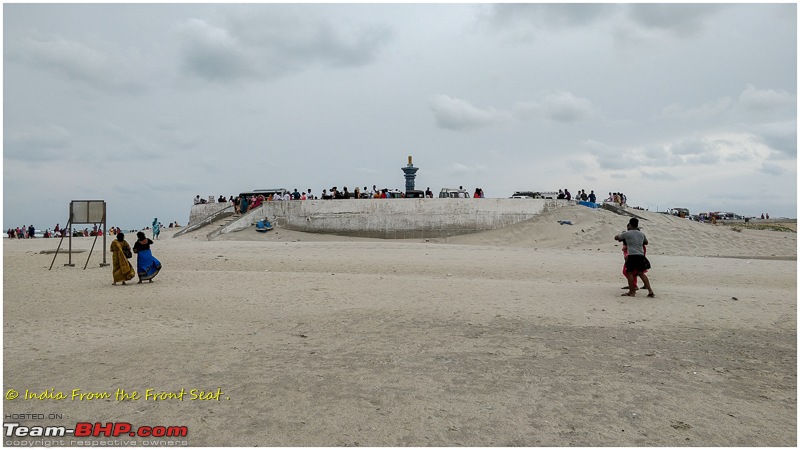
x: 516, y: 336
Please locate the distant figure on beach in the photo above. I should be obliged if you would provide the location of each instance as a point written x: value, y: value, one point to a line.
x: 592, y: 197
x: 567, y: 195
x: 156, y: 228
x: 635, y: 264
x: 148, y: 266
x: 122, y: 268
x: 243, y: 205
x: 625, y: 258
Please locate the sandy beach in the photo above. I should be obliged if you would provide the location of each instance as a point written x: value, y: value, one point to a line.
x: 511, y: 337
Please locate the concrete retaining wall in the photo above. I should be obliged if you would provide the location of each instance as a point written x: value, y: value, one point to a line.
x: 390, y: 218
x: 199, y: 212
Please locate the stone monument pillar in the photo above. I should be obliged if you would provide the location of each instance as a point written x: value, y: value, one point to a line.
x: 411, y: 173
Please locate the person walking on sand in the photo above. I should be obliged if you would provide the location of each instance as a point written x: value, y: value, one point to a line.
x: 122, y: 268
x: 635, y: 264
x: 148, y: 266
x: 625, y: 258
x: 156, y: 228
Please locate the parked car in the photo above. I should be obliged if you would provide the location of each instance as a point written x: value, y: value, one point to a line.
x: 452, y: 193
x: 680, y: 212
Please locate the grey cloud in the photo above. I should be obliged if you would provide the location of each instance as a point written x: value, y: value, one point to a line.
x: 779, y: 136
x: 608, y: 157
x: 753, y: 99
x: 701, y: 112
x: 456, y: 114
x: 96, y: 65
x: 677, y: 19
x: 659, y: 175
x: 566, y: 107
x: 146, y: 188
x: 680, y: 19
x: 683, y: 153
x: 612, y: 162
x: 257, y: 45
x: 657, y: 154
x: 695, y: 151
x: 688, y: 147
x: 549, y: 14
x: 578, y: 165
x: 705, y: 151
x: 212, y: 53
x: 772, y: 169
x: 702, y: 159
x: 463, y: 169
x: 750, y: 100
x: 46, y: 143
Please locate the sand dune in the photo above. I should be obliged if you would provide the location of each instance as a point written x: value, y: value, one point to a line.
x: 591, y: 230
x: 594, y: 229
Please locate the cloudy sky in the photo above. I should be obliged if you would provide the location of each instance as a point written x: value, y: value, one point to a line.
x: 147, y: 105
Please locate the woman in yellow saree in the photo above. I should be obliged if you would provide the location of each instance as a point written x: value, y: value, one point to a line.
x: 123, y: 270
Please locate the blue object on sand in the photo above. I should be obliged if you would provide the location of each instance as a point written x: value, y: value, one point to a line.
x: 263, y: 226
x: 564, y: 222
x: 589, y: 204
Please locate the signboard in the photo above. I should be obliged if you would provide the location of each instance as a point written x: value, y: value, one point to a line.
x: 87, y: 211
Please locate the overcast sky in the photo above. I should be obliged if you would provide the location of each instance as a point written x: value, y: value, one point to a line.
x: 147, y: 105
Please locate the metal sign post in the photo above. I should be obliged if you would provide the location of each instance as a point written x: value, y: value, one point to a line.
x: 86, y: 212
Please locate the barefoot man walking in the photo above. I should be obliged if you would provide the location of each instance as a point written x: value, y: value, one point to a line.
x: 636, y: 264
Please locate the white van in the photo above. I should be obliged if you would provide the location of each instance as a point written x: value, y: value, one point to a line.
x: 452, y: 193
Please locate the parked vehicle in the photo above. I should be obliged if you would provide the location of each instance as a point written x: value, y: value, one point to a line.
x: 265, y: 192
x: 680, y: 212
x: 452, y: 193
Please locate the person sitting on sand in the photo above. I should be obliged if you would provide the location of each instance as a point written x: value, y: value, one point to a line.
x: 635, y: 263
